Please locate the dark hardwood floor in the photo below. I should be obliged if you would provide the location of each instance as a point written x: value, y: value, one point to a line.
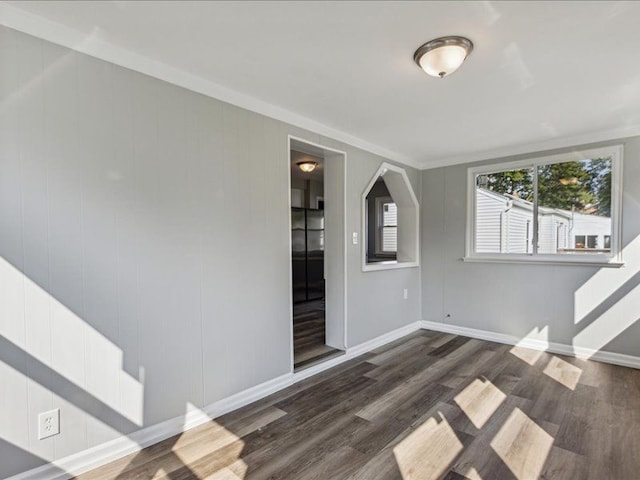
x: 309, y: 334
x: 430, y: 406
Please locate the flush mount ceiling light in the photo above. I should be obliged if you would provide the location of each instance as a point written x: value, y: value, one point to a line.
x: 443, y: 56
x: 307, y: 166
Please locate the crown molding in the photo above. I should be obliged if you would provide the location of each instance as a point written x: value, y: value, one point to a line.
x: 538, y: 147
x: 94, y: 46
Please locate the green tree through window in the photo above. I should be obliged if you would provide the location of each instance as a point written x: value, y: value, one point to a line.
x: 579, y: 185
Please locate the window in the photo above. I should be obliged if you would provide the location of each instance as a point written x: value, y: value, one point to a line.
x: 563, y: 208
x: 387, y: 226
x: 390, y: 220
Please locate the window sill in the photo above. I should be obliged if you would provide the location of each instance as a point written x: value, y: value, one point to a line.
x: 390, y: 265
x: 588, y: 262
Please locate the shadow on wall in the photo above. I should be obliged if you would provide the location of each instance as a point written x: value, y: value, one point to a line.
x: 233, y: 442
x: 605, y: 307
x: 608, y: 304
x: 54, y: 354
x: 113, y: 265
x: 120, y: 412
x: 80, y: 227
x: 17, y: 460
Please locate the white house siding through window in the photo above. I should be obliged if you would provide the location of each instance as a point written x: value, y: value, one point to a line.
x: 389, y: 227
x: 504, y: 224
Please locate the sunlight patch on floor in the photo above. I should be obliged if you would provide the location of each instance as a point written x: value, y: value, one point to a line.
x: 563, y: 372
x: 541, y: 339
x: 428, y: 451
x: 212, y: 433
x: 472, y: 474
x: 522, y: 445
x: 211, y: 438
x: 527, y: 355
x: 479, y: 401
x: 225, y: 474
x: 160, y: 473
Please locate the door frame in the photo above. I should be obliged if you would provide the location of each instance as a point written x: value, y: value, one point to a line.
x: 291, y: 139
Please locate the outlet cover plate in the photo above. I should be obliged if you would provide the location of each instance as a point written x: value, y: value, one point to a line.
x: 48, y: 424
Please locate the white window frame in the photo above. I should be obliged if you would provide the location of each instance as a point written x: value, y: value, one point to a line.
x: 612, y: 259
x: 380, y: 202
x: 408, y: 234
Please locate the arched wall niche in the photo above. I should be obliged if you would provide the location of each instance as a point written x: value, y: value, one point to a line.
x: 389, y: 198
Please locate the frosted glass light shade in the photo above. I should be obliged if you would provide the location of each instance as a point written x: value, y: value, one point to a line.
x: 443, y: 56
x: 307, y: 166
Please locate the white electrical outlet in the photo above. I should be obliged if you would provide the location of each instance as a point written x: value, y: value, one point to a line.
x: 406, y: 293
x: 354, y: 238
x: 48, y: 424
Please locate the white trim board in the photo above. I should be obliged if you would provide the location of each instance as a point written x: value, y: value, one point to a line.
x: 92, y: 45
x: 535, y: 344
x: 500, y: 153
x: 91, y: 458
x: 40, y: 27
x: 415, y: 250
x: 301, y: 142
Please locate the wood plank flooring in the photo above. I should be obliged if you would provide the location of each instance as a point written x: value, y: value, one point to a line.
x: 429, y: 406
x: 309, y: 334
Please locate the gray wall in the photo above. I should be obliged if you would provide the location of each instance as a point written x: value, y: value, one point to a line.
x: 589, y: 307
x: 144, y: 250
x: 369, y: 317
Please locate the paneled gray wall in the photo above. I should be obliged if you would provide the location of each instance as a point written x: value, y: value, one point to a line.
x: 144, y: 262
x: 589, y: 307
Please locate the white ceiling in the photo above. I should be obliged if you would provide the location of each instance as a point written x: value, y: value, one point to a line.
x: 542, y: 74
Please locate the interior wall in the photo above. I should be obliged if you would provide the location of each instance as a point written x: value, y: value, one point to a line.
x: 375, y: 298
x: 144, y: 250
x: 582, y: 306
x: 334, y: 252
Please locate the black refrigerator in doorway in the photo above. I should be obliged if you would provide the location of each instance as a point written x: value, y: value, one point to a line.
x: 307, y: 256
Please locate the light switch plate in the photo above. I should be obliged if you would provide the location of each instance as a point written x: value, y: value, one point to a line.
x: 355, y: 238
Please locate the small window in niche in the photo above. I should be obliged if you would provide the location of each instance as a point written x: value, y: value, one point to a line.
x: 390, y: 221
x: 382, y: 221
x: 388, y: 242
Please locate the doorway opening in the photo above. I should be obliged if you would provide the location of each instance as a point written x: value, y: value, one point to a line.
x: 317, y: 253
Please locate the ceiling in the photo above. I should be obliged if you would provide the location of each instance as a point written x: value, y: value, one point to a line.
x: 542, y: 74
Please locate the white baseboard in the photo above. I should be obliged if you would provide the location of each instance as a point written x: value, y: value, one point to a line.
x: 94, y: 457
x: 384, y: 339
x: 536, y: 344
x: 357, y: 350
